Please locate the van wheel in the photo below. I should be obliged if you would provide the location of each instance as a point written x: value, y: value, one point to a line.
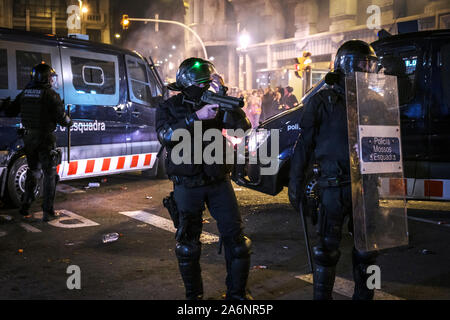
x: 16, y: 181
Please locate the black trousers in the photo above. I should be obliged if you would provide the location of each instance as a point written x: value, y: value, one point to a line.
x: 336, y: 204
x: 42, y: 160
x: 221, y: 201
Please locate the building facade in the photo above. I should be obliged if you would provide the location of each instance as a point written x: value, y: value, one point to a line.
x: 279, y: 31
x: 59, y: 17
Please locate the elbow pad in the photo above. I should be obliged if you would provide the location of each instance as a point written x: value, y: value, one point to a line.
x: 165, y: 135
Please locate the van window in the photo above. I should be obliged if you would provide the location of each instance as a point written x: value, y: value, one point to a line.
x: 3, y: 69
x: 93, y: 76
x: 25, y: 61
x: 138, y: 80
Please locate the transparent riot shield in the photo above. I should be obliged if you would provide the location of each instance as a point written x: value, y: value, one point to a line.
x: 378, y: 187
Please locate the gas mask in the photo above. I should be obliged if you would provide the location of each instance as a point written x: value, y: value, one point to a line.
x: 195, y: 92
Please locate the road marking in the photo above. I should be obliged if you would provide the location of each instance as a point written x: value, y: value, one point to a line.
x: 70, y: 220
x: 29, y: 228
x: 3, y: 233
x: 345, y: 287
x: 166, y: 224
x: 430, y: 221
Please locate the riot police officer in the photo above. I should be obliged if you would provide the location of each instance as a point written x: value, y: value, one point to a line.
x: 40, y: 108
x: 198, y: 184
x: 324, y: 142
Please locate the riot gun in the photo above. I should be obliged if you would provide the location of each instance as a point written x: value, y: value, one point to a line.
x: 228, y: 105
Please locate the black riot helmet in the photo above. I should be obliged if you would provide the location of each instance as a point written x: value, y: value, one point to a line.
x: 192, y: 74
x: 42, y: 73
x: 354, y: 56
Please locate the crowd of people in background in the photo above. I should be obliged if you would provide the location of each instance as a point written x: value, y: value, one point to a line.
x: 262, y: 104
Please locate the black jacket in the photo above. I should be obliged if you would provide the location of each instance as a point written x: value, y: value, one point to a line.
x: 173, y: 114
x: 323, y: 139
x: 40, y: 108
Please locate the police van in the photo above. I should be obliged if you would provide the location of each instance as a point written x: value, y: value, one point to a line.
x: 111, y: 94
x: 424, y: 97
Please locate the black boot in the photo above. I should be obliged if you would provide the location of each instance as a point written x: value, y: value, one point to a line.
x: 238, y: 267
x: 362, y: 260
x: 324, y: 272
x: 30, y: 190
x: 323, y: 282
x: 189, y: 264
x: 49, y: 215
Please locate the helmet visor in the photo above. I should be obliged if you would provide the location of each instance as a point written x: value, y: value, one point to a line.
x: 367, y: 65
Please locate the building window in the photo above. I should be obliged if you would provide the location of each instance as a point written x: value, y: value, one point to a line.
x: 25, y: 61
x: 40, y: 8
x: 93, y: 6
x: 3, y: 69
x: 93, y: 76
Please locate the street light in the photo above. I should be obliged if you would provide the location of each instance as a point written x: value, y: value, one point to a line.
x: 244, y: 40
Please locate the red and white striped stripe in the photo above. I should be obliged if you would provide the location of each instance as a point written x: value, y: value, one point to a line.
x: 436, y: 189
x: 104, y: 166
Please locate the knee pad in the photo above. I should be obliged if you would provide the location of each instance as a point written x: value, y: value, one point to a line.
x: 326, y: 258
x: 188, y: 250
x: 238, y: 246
x: 364, y: 258
x: 241, y: 247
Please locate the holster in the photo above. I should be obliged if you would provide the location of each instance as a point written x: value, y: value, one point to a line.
x: 171, y: 206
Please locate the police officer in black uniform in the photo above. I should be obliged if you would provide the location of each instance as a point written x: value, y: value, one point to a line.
x: 324, y: 141
x: 40, y: 108
x: 198, y: 184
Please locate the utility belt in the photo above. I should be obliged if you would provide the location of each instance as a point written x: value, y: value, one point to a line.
x: 333, y: 182
x: 199, y: 180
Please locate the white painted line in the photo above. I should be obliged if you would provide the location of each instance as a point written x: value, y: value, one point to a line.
x: 166, y: 224
x: 3, y: 233
x: 429, y: 221
x: 29, y: 228
x: 345, y: 287
x: 70, y: 220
